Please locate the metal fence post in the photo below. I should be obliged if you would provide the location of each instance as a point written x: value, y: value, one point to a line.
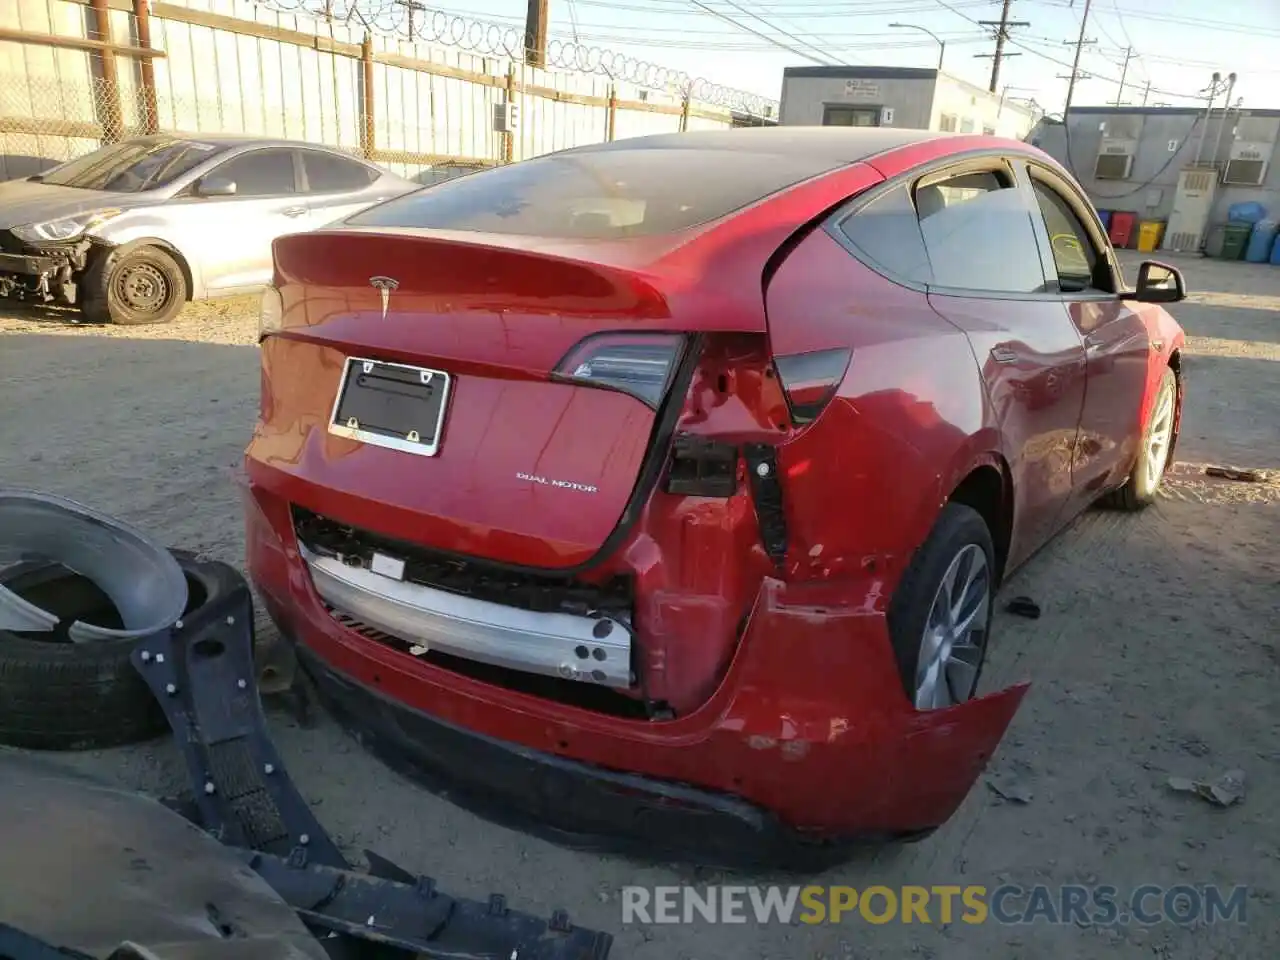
x: 611, y: 125
x: 509, y: 139
x: 368, y: 127
x: 146, y: 68
x: 684, y: 114
x: 111, y: 114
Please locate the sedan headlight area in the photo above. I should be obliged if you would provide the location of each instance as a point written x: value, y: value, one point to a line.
x: 64, y: 228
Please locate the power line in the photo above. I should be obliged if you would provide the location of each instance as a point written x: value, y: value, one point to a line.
x: 776, y: 28
x: 1227, y: 26
x: 819, y: 10
x: 773, y: 40
x: 1055, y: 60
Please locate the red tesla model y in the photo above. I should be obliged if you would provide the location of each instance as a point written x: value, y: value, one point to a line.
x: 657, y: 492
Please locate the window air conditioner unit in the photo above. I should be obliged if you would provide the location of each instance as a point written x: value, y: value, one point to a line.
x: 1247, y: 165
x: 1115, y: 159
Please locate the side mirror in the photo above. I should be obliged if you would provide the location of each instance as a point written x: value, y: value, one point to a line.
x: 216, y: 187
x: 1158, y: 283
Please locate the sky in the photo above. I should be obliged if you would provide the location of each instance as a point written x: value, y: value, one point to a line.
x: 1176, y: 44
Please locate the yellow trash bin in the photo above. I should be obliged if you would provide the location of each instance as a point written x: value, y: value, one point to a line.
x: 1150, y: 233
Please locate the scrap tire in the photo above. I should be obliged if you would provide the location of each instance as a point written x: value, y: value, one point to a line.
x: 84, y: 696
x: 121, y: 285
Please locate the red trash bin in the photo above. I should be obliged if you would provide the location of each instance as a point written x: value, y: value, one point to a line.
x: 1122, y: 226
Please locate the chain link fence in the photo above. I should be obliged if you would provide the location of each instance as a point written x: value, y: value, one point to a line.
x: 417, y: 22
x: 413, y: 96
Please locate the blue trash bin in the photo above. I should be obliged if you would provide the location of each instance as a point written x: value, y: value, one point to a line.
x: 1261, y: 241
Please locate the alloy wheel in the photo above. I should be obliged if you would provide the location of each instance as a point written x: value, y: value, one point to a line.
x: 955, y: 633
x: 1159, y: 439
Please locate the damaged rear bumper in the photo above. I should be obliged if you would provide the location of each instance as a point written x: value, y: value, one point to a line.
x: 808, y: 744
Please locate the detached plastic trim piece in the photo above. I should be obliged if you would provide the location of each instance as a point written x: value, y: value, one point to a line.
x: 141, y: 578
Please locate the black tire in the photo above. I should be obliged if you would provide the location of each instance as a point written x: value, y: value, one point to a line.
x: 133, y: 286
x: 958, y: 527
x: 82, y: 696
x: 1139, y: 491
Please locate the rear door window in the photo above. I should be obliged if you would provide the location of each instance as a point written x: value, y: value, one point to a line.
x: 327, y: 173
x: 978, y: 233
x: 604, y: 193
x: 261, y: 173
x: 885, y: 234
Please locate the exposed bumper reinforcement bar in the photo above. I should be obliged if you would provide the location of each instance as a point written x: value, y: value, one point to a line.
x: 590, y: 649
x: 30, y: 264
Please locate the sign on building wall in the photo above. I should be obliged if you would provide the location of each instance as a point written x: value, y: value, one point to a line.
x: 886, y: 116
x: 861, y: 89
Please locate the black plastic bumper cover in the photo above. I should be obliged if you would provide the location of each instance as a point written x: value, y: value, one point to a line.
x: 566, y: 801
x: 202, y: 672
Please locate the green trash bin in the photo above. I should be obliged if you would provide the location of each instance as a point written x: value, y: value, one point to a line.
x: 1235, y: 238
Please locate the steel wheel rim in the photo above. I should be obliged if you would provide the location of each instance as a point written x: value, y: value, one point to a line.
x: 955, y: 632
x: 143, y: 287
x: 1160, y: 438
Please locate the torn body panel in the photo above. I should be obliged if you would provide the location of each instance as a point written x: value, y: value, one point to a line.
x: 142, y: 579
x: 799, y: 746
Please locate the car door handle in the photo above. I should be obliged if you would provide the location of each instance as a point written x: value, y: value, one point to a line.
x: 294, y: 211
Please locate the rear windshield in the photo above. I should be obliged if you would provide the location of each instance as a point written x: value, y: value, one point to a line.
x: 132, y: 166
x: 598, y: 194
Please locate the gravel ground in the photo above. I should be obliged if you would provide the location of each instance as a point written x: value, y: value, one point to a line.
x: 1156, y: 656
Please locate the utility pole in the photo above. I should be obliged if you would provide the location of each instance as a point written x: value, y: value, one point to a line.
x: 1146, y: 93
x: 1124, y: 72
x: 535, y: 33
x: 1002, y: 34
x: 1075, y: 64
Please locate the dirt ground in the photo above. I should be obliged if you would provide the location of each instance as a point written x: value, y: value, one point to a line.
x: 1157, y: 655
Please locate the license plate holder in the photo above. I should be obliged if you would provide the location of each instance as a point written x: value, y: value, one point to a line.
x: 393, y: 405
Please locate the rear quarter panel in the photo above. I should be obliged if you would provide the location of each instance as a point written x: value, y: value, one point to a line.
x: 865, y: 481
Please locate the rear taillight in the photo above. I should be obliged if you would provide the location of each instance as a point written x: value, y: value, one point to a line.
x: 639, y: 364
x: 809, y: 380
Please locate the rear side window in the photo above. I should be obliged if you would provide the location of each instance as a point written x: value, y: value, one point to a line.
x: 327, y: 173
x: 262, y: 173
x: 979, y: 235
x: 598, y: 194
x: 886, y: 235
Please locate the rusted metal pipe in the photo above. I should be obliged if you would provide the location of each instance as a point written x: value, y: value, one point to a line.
x: 110, y: 113
x: 146, y: 68
x: 368, y: 143
x: 509, y: 138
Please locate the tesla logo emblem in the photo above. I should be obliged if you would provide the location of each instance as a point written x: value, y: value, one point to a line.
x: 384, y: 286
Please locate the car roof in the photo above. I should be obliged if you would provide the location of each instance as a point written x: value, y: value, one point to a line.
x: 833, y: 145
x: 231, y: 140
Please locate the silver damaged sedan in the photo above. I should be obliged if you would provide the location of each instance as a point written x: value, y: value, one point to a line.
x: 131, y: 232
